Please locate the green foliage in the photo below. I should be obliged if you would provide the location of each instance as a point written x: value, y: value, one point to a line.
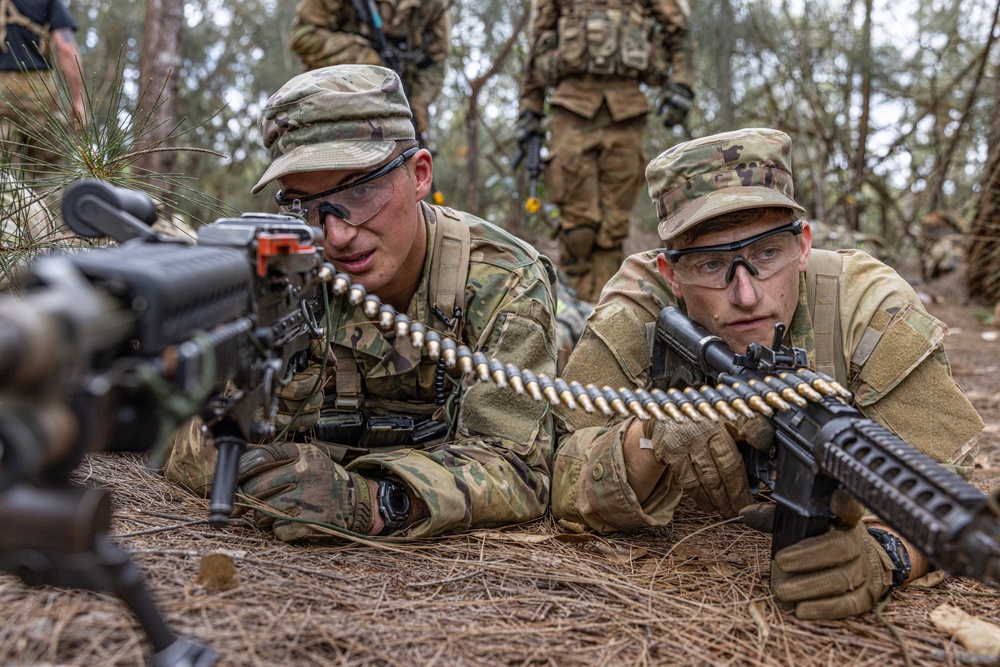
x: 795, y: 66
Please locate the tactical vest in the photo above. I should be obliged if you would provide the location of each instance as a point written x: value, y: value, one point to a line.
x: 352, y: 424
x: 617, y: 38
x: 11, y: 15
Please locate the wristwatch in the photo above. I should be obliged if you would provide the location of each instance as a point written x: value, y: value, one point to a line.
x: 900, y: 557
x: 393, y: 505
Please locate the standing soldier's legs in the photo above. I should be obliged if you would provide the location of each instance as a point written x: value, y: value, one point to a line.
x: 622, y: 165
x: 572, y: 179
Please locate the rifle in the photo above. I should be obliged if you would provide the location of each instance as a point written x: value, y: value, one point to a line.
x: 822, y: 442
x: 534, y: 168
x: 110, y: 350
x: 393, y: 58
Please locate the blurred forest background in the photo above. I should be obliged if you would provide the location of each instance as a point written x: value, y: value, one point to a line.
x: 892, y: 107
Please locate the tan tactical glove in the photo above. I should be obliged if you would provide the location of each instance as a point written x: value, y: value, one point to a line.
x: 703, y: 458
x: 300, y: 480
x: 300, y: 401
x: 842, y: 573
x: 191, y: 462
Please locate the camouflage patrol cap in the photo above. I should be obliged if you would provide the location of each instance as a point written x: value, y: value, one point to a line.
x: 341, y: 117
x: 724, y: 173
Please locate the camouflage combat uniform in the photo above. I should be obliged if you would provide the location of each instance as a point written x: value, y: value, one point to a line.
x: 857, y: 319
x: 492, y: 466
x: 494, y: 470
x: 594, y: 54
x: 898, y: 344
x: 329, y: 32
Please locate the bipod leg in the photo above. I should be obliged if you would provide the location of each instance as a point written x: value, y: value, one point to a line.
x: 59, y: 537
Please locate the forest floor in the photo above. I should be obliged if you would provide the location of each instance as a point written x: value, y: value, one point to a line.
x: 694, y: 593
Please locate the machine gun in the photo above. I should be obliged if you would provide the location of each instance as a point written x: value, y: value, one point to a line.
x: 822, y: 442
x: 110, y: 350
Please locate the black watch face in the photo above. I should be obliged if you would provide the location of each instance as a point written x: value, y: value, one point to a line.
x: 399, y: 502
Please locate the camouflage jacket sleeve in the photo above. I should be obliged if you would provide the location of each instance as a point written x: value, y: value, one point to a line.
x: 427, y: 26
x: 327, y: 32
x: 541, y: 36
x: 899, y: 372
x: 589, y: 484
x: 674, y: 17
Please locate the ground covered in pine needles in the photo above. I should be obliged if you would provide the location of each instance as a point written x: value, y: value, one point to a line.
x: 691, y: 594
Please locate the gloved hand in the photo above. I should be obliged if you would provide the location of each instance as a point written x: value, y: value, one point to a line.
x: 842, y: 573
x: 300, y: 480
x: 675, y: 103
x: 191, y: 462
x: 703, y: 458
x: 300, y: 401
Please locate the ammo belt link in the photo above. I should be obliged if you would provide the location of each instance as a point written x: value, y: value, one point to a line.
x: 728, y: 398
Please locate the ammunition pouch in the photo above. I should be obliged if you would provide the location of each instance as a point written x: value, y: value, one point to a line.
x: 604, y: 39
x: 348, y: 435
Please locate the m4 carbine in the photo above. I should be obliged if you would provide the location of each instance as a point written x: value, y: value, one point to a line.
x: 111, y: 349
x: 822, y: 442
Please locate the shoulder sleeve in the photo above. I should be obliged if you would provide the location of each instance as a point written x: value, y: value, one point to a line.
x: 899, y: 372
x: 60, y: 17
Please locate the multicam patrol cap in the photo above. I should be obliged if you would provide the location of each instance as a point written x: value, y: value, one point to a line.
x: 724, y: 173
x: 341, y: 117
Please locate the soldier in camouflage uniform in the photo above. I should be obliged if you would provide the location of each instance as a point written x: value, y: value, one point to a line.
x: 398, y: 445
x: 594, y: 54
x: 856, y: 318
x: 330, y: 32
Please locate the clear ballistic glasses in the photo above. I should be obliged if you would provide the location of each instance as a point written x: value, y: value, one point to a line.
x: 763, y: 255
x: 355, y: 203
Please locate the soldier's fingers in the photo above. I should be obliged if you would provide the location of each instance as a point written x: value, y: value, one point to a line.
x: 823, y: 552
x: 822, y: 584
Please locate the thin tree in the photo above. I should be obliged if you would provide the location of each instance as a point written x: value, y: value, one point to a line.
x: 159, y: 69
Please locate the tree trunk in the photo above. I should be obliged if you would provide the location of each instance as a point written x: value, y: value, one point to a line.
x: 159, y: 70
x: 860, y: 166
x: 983, y: 254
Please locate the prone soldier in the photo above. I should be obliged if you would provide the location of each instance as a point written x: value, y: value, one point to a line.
x: 738, y: 260
x: 396, y: 444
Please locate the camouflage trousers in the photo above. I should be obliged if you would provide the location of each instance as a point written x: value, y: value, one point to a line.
x: 26, y: 100
x: 595, y: 176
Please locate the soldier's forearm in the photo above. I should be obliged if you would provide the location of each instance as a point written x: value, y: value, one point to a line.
x: 642, y: 470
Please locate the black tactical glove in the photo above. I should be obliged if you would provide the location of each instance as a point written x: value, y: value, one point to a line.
x: 675, y: 103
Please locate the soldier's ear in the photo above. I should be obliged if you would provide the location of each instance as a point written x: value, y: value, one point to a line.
x: 666, y: 270
x: 805, y: 238
x: 422, y: 169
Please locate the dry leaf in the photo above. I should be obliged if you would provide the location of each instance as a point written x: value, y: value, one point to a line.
x: 976, y: 635
x: 763, y: 627
x: 217, y: 572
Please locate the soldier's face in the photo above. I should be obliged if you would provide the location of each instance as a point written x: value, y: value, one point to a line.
x: 385, y: 254
x: 746, y: 309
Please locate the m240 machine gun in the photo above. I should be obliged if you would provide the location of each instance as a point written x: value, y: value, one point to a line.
x: 109, y: 350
